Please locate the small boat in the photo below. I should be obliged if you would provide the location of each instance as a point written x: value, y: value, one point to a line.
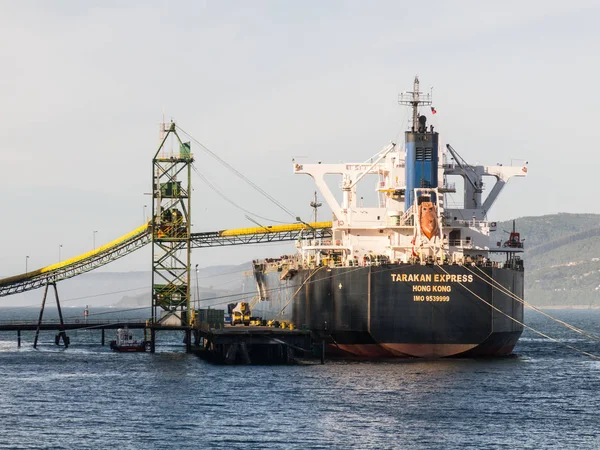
x: 126, y: 343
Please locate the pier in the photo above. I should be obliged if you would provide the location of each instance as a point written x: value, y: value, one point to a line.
x: 227, y: 345
x: 251, y: 345
x: 63, y: 326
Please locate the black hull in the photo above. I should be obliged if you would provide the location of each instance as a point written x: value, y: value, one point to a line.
x: 402, y: 310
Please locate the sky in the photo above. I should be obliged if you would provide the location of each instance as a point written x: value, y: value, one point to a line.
x: 84, y: 85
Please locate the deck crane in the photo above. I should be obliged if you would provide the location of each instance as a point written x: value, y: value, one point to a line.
x: 475, y: 207
x: 468, y: 170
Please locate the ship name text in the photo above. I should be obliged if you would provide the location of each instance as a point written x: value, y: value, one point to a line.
x: 431, y: 278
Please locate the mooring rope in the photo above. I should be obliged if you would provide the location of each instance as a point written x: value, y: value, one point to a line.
x: 507, y: 291
x: 239, y: 174
x: 591, y: 355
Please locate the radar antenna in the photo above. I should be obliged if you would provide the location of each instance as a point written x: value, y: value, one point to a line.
x: 415, y: 98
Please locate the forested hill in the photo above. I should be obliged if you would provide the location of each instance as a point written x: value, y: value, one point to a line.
x: 562, y: 258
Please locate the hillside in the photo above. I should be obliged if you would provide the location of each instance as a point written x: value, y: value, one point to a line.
x: 210, y: 285
x: 562, y: 258
x: 132, y: 289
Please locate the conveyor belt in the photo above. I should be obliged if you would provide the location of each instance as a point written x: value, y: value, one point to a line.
x: 141, y: 236
x: 275, y: 233
x: 78, y: 265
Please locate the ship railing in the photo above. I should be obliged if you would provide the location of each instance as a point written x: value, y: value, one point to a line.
x: 507, y: 245
x: 471, y: 223
x: 461, y: 243
x: 408, y: 215
x: 447, y: 187
x: 281, y: 265
x: 325, y: 244
x: 486, y: 262
x: 405, y: 219
x: 326, y: 262
x: 395, y: 221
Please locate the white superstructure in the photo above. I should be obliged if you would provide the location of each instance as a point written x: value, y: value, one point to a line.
x: 394, y: 230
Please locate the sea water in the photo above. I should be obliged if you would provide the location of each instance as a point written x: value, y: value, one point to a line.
x: 544, y: 396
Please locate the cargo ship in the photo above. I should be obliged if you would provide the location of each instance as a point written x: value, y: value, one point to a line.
x: 410, y: 274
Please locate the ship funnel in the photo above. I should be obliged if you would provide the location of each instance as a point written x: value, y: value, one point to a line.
x: 421, y: 162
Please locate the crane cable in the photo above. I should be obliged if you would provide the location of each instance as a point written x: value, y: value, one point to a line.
x: 238, y: 173
x: 227, y: 199
x: 591, y: 355
x: 529, y: 305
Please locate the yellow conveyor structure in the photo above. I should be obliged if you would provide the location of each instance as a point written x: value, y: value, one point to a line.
x: 141, y: 236
x: 76, y: 266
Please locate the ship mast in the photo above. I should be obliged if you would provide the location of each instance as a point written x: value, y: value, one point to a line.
x: 315, y: 205
x: 414, y: 99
